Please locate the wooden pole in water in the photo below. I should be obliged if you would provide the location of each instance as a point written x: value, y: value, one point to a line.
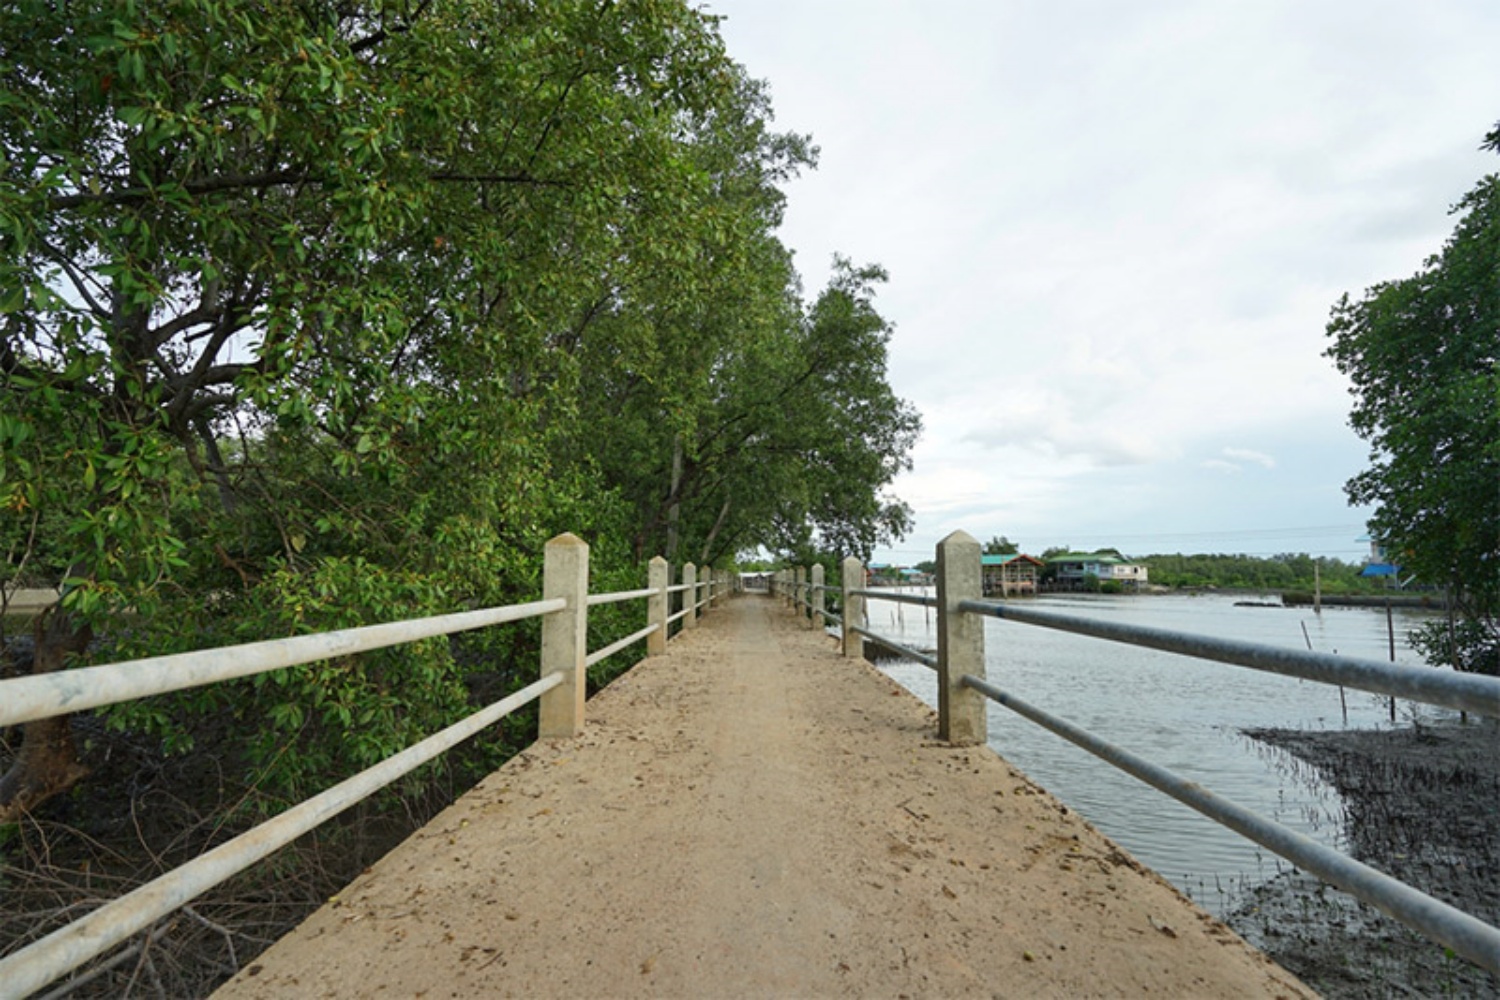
x: 1390, y: 631
x: 1318, y: 586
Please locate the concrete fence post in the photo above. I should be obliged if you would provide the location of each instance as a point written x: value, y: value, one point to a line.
x: 961, y: 710
x: 658, y: 576
x: 800, y: 589
x: 817, y: 620
x: 854, y: 606
x: 690, y: 596
x: 565, y: 574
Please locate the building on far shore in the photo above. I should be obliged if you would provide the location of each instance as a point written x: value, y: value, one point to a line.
x: 1073, y: 570
x: 1010, y: 574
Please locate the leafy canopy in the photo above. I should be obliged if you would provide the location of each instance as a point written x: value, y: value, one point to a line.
x: 315, y: 315
x: 1423, y: 354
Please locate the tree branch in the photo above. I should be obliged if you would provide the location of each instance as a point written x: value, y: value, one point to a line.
x: 139, y: 195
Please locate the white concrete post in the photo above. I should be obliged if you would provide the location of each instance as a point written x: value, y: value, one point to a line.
x: 854, y: 606
x: 690, y: 596
x: 658, y: 576
x: 799, y: 588
x: 565, y: 574
x: 817, y: 620
x: 961, y: 710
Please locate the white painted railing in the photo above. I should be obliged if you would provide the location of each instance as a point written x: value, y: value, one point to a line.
x: 560, y: 690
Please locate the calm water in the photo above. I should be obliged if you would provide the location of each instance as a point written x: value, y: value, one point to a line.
x: 1181, y: 713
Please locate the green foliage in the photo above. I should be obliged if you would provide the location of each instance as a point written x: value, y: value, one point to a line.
x: 1466, y: 644
x: 1287, y: 571
x: 333, y: 314
x: 1001, y: 546
x: 1423, y: 354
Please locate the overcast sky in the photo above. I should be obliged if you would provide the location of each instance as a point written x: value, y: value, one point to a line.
x: 1114, y: 232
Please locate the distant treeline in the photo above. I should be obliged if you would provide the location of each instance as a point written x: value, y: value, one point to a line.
x: 1285, y: 571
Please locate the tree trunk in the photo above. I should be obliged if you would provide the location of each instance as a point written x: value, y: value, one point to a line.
x: 48, y: 762
x: 674, y: 510
x: 708, y: 543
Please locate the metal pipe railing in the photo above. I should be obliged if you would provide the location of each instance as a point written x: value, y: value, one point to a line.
x: 1465, y: 692
x: 1468, y: 936
x: 922, y: 600
x: 960, y: 577
x: 926, y: 659
x: 594, y: 600
x: 40, y: 696
x: 36, y: 965
x: 618, y: 645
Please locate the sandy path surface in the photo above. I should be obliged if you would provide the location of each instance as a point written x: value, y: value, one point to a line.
x: 754, y: 816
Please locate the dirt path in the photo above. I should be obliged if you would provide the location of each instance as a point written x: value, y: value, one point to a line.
x: 753, y: 815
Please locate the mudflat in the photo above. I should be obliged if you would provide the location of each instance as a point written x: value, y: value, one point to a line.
x: 753, y: 815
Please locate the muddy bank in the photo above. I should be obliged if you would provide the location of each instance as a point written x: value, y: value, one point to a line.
x: 1421, y: 803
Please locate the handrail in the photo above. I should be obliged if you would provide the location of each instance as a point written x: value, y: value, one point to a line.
x: 1466, y: 935
x: 963, y: 691
x: 1465, y: 692
x: 594, y: 600
x: 926, y: 659
x: 922, y: 600
x: 68, y: 947
x: 40, y: 696
x: 620, y: 644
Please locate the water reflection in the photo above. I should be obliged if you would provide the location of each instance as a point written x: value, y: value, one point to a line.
x: 1181, y: 713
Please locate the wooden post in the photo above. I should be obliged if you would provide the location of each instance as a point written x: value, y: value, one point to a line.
x: 961, y: 710
x: 658, y: 576
x: 690, y: 596
x: 854, y: 606
x: 801, y: 591
x: 817, y: 620
x: 565, y: 574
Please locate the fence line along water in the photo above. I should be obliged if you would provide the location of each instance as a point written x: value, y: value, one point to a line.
x: 560, y: 691
x: 964, y: 691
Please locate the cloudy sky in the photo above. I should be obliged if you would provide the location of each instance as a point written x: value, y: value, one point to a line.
x: 1114, y: 232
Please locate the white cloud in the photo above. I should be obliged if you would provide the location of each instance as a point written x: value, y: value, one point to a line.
x: 1115, y: 232
x: 1247, y: 455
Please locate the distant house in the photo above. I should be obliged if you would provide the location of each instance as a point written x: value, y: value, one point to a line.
x: 1379, y: 564
x: 1010, y: 574
x: 1073, y: 570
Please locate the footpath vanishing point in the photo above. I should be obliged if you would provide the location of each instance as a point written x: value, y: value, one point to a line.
x: 753, y: 815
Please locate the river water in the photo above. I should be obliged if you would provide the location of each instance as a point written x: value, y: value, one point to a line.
x: 1181, y: 713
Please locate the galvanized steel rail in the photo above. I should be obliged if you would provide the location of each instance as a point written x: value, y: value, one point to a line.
x: 960, y: 667
x: 922, y: 600
x: 926, y: 659
x: 1464, y: 692
x: 1467, y: 936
